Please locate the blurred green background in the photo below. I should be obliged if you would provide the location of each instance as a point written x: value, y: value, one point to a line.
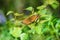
x: 13, y: 12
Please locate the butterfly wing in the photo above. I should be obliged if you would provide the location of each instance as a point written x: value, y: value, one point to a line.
x: 30, y: 19
x: 34, y: 17
x: 26, y: 21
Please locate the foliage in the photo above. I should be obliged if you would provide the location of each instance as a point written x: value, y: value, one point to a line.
x: 47, y: 27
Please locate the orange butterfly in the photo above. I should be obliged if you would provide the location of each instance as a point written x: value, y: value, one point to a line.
x: 30, y: 19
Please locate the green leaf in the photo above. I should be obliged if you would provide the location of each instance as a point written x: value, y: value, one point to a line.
x: 9, y: 12
x: 45, y: 30
x: 49, y: 1
x: 50, y: 38
x: 58, y: 24
x: 42, y: 12
x: 24, y: 36
x: 5, y: 35
x: 29, y: 8
x: 15, y: 31
x: 25, y: 29
x: 55, y: 5
x: 41, y: 7
x: 38, y: 29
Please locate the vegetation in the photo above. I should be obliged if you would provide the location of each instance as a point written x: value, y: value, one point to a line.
x: 46, y: 27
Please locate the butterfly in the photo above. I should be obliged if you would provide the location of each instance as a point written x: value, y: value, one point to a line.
x: 30, y: 19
